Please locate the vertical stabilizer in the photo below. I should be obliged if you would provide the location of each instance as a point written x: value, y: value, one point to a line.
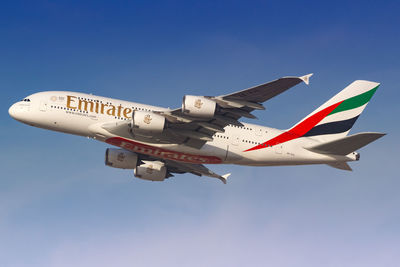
x: 336, y: 117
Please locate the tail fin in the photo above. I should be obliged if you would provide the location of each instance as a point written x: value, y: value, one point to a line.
x: 336, y: 117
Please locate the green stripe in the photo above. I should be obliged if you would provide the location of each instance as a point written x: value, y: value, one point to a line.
x: 355, y: 101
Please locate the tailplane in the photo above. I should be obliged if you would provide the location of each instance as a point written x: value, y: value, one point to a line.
x: 345, y: 145
x: 336, y: 117
x: 341, y: 165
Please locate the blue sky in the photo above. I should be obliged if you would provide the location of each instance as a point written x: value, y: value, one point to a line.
x: 59, y: 204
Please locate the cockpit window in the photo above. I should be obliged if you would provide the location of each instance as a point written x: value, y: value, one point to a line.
x: 26, y: 100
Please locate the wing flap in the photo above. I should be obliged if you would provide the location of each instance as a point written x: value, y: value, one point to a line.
x: 197, y: 169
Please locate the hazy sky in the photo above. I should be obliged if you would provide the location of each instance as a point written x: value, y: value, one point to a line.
x: 59, y: 204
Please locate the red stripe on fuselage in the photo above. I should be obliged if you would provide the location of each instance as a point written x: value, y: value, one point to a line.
x: 299, y: 130
x: 161, y: 153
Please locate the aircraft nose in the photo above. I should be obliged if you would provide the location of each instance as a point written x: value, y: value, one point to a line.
x: 12, y: 111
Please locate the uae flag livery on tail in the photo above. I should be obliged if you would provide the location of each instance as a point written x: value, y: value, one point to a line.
x: 333, y: 119
x: 349, y: 104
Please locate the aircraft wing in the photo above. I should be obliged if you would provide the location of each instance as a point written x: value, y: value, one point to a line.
x: 195, y: 131
x: 181, y: 167
x: 197, y: 169
x: 266, y: 91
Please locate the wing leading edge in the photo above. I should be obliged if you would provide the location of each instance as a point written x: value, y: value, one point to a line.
x: 196, y: 131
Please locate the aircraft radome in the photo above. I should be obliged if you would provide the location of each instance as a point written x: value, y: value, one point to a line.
x: 156, y: 142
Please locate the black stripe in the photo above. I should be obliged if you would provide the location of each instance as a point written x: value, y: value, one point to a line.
x: 332, y: 127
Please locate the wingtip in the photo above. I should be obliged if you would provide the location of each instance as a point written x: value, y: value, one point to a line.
x: 224, y: 177
x: 306, y: 78
x: 378, y: 134
x: 381, y: 135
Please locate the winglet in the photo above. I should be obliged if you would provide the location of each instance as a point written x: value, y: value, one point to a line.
x: 306, y: 78
x: 224, y: 177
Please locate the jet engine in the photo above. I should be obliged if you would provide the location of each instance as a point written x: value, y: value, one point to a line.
x: 147, y: 123
x: 151, y: 170
x: 122, y: 159
x: 198, y: 106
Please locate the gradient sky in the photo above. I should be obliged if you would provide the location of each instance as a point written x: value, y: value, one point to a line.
x: 59, y: 204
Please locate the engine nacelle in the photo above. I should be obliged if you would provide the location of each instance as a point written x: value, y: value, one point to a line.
x: 198, y: 106
x: 147, y: 123
x: 122, y: 159
x: 151, y: 170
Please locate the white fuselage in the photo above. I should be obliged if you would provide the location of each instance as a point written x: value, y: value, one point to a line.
x: 83, y: 114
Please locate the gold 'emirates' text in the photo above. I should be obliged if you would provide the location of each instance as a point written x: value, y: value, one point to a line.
x: 97, y: 107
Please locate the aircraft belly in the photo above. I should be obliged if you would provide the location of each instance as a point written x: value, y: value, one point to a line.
x: 292, y: 155
x: 206, y: 155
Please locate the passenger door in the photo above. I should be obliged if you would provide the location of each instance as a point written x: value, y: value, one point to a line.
x: 43, y: 106
x: 235, y: 139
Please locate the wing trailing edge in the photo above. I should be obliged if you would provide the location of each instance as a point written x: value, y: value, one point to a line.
x: 197, y: 169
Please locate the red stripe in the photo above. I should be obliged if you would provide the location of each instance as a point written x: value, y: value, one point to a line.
x: 299, y: 130
x: 161, y: 153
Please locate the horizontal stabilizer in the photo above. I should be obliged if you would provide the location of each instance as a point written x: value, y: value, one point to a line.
x: 346, y: 145
x: 340, y: 165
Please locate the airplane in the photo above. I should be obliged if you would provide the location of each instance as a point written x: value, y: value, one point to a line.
x: 156, y: 142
